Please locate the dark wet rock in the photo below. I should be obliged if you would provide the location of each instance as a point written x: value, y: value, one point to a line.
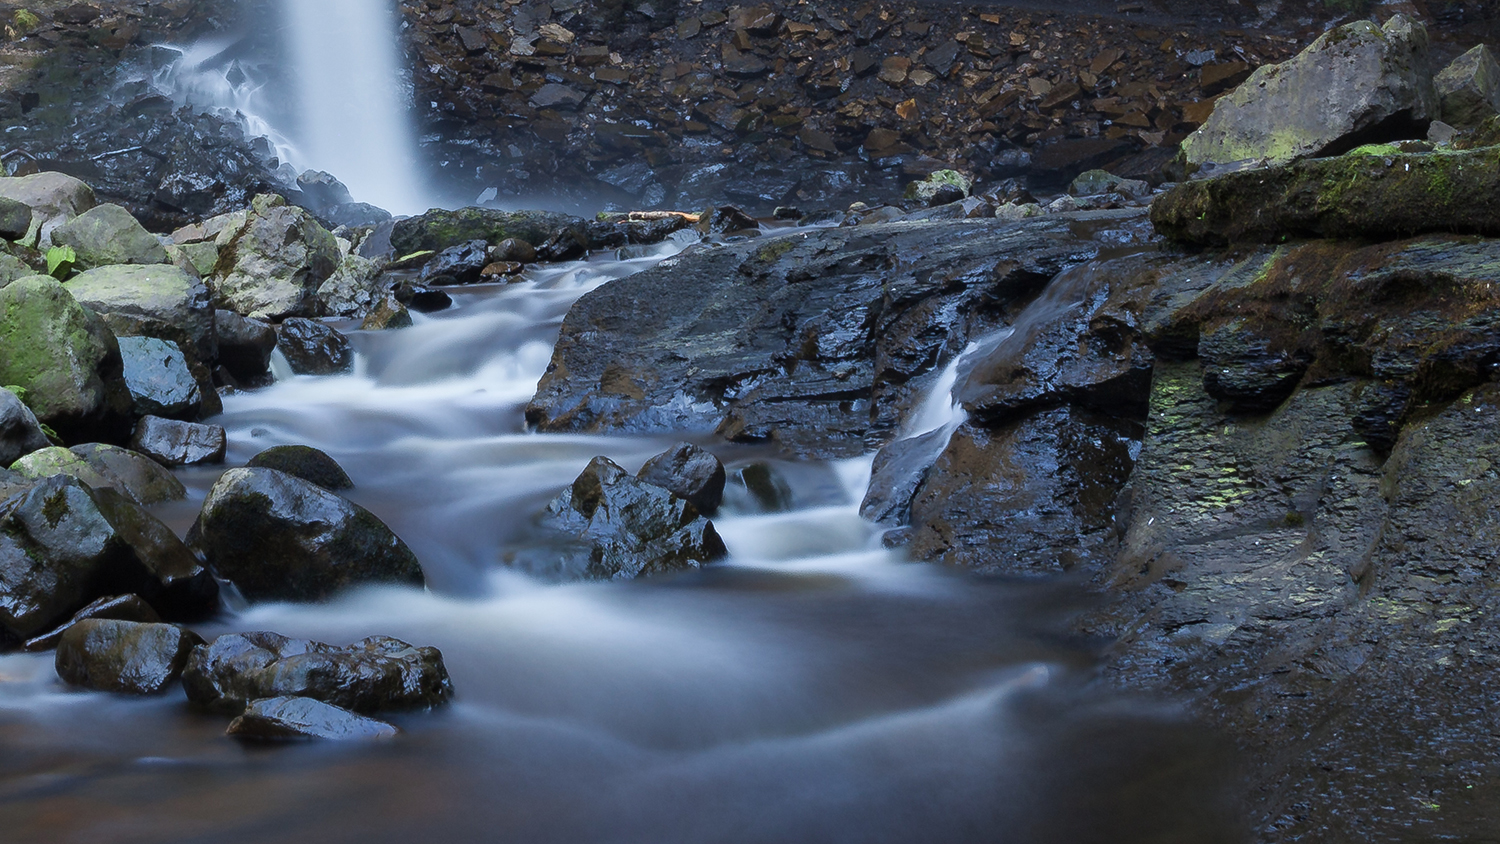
x: 353, y: 215
x: 245, y: 345
x: 304, y: 462
x: 378, y: 674
x: 941, y: 188
x: 1056, y: 164
x: 151, y: 301
x: 621, y: 528
x: 766, y: 486
x: 514, y: 250
x: 180, y: 588
x: 726, y: 219
x: 172, y: 442
x: 160, y: 382
x: 421, y: 299
x: 107, y: 235
x: 1241, y: 367
x: 567, y: 245
x: 279, y: 537
x: 118, y: 607
x: 688, y: 472
x: 20, y: 434
x: 389, y: 313
x: 459, y: 264
x: 1373, y: 193
x: 125, y: 657
x: 133, y: 474
x: 290, y: 718
x: 438, y: 230
x: 322, y: 190
x: 272, y: 264
x: 1470, y: 88
x: 15, y: 219
x: 314, y: 348
x: 66, y: 359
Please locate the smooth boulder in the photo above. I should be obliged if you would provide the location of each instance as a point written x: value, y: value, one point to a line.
x: 280, y: 538
x: 305, y: 462
x: 125, y: 657
x: 117, y: 607
x: 172, y: 442
x: 290, y: 718
x: 160, y: 381
x: 106, y: 235
x: 20, y: 433
x: 15, y: 218
x: 313, y: 348
x: 688, y: 472
x: 271, y: 265
x: 377, y: 674
x: 159, y: 301
x: 100, y: 465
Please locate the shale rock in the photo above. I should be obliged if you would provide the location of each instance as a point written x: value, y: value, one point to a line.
x: 160, y: 382
x: 378, y: 674
x: 291, y: 718
x: 280, y: 538
x: 20, y: 434
x: 245, y: 345
x: 304, y: 462
x: 688, y: 472
x: 313, y: 348
x: 1470, y: 88
x: 107, y: 235
x: 271, y: 265
x: 54, y: 199
x: 173, y: 443
x: 126, y: 657
x: 156, y: 301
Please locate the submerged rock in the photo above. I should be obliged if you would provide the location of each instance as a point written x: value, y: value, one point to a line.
x: 378, y: 674
x: 289, y: 718
x: 313, y: 348
x: 690, y: 473
x: 304, y: 462
x: 125, y: 657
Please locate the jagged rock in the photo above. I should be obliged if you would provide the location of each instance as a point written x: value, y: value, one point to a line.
x: 1359, y: 83
x: 313, y: 348
x: 378, y: 674
x: 65, y: 358
x: 245, y: 345
x: 1096, y: 182
x: 106, y: 235
x: 389, y: 313
x: 461, y: 264
x: 322, y: 190
x: 175, y: 443
x: 1470, y: 88
x: 160, y: 382
x: 623, y: 529
x: 271, y: 266
x: 15, y: 218
x: 117, y: 607
x: 20, y: 434
x: 290, y: 718
x: 305, y: 462
x: 353, y: 289
x: 54, y: 199
x: 279, y: 537
x: 1242, y: 367
x: 156, y: 301
x: 688, y: 472
x: 940, y: 188
x: 438, y: 230
x: 125, y: 657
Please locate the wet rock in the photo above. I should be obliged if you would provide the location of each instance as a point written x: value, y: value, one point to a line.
x: 513, y: 250
x: 107, y: 235
x: 245, y: 345
x: 421, y: 299
x: 54, y: 199
x: 767, y: 486
x: 940, y: 188
x: 160, y: 382
x: 353, y: 289
x: 279, y: 537
x: 125, y: 657
x: 1360, y: 83
x: 118, y: 607
x: 1243, y: 368
x: 15, y: 219
x: 322, y: 190
x: 389, y: 313
x: 175, y: 443
x: 304, y: 462
x: 66, y: 359
x: 438, y: 230
x: 378, y: 674
x: 623, y: 529
x: 135, y: 475
x: 726, y: 219
x: 460, y: 264
x: 154, y: 301
x: 290, y: 718
x: 688, y: 472
x: 1469, y: 88
x: 20, y: 434
x: 313, y: 348
x: 1371, y: 193
x: 271, y: 265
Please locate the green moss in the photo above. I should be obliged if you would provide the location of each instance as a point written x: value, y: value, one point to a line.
x: 774, y: 250
x: 1375, y: 149
x: 24, y: 22
x: 55, y: 508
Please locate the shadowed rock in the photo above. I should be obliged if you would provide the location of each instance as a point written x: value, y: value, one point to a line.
x: 125, y: 657
x: 292, y: 718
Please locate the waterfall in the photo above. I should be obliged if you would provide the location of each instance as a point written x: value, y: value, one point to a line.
x: 354, y: 122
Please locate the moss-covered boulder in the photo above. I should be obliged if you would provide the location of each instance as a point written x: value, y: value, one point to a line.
x: 67, y: 360
x: 1373, y: 193
x: 104, y: 467
x: 1355, y: 83
x: 272, y: 264
x: 13, y: 269
x: 158, y: 301
x: 107, y: 235
x: 438, y: 229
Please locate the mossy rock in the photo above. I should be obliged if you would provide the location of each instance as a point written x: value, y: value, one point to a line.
x: 438, y: 230
x: 107, y: 235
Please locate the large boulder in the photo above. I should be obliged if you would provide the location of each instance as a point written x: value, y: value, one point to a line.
x: 290, y: 718
x: 305, y: 462
x: 279, y: 537
x: 160, y: 381
x: 314, y: 348
x: 54, y: 199
x: 20, y: 434
x: 353, y: 289
x: 620, y: 528
x: 1359, y: 83
x: 377, y: 674
x: 438, y: 229
x: 100, y: 466
x: 271, y: 265
x: 151, y: 301
x: 1470, y: 88
x: 66, y: 359
x: 106, y: 235
x: 125, y: 657
x: 245, y: 345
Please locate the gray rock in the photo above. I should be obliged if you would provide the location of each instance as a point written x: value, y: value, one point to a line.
x: 272, y: 265
x: 353, y: 289
x: 1353, y: 84
x: 313, y: 348
x: 940, y: 188
x: 156, y: 301
x: 125, y: 657
x: 118, y: 607
x: 377, y: 674
x: 20, y: 434
x: 439, y: 229
x: 13, y: 268
x: 15, y: 218
x: 461, y: 264
x: 54, y: 199
x: 174, y: 443
x: 514, y: 249
x: 245, y: 345
x: 291, y: 718
x: 388, y: 313
x: 161, y: 384
x: 305, y: 462
x: 1470, y: 88
x: 556, y: 95
x: 279, y: 537
x: 66, y: 359
x: 106, y: 235
x: 689, y: 472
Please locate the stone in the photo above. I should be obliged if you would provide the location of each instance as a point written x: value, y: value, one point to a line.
x: 245, y: 345
x: 54, y: 199
x: 461, y: 264
x: 106, y: 235
x: 280, y: 538
x: 160, y: 382
x: 941, y: 188
x: 513, y: 250
x: 688, y: 472
x: 1359, y: 83
x: 173, y: 443
x: 1055, y: 164
x: 378, y: 674
x: 555, y: 95
x: 272, y: 265
x: 305, y: 462
x: 15, y: 218
x: 353, y: 289
x: 313, y: 348
x: 159, y: 301
x: 1469, y: 88
x: 13, y: 269
x: 388, y: 313
x: 20, y: 433
x: 1097, y: 182
x: 117, y: 607
x: 290, y: 718
x: 438, y: 230
x: 66, y: 359
x: 124, y: 657
x: 421, y: 299
x: 135, y: 475
x: 322, y: 190
x: 179, y: 587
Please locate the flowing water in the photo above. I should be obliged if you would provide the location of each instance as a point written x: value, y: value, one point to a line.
x: 814, y: 688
